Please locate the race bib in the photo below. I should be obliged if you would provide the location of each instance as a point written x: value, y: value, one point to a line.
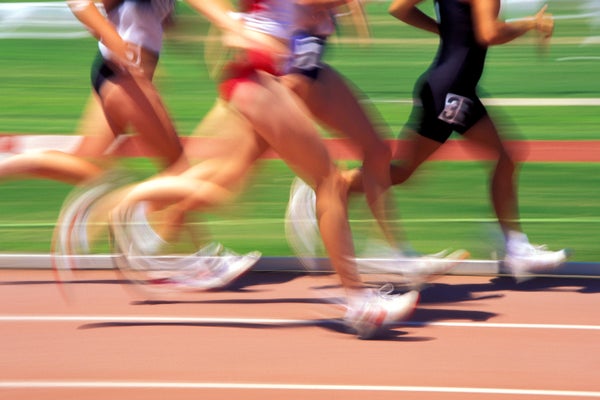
x: 306, y: 52
x: 456, y: 110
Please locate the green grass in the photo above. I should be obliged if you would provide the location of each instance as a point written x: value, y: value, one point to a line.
x: 44, y: 84
x: 446, y: 205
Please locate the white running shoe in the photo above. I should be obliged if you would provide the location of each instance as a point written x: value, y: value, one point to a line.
x: 70, y: 237
x: 301, y: 227
x: 527, y: 260
x: 429, y: 267
x: 211, y: 267
x: 167, y: 265
x: 369, y: 315
x: 219, y: 271
x: 417, y: 270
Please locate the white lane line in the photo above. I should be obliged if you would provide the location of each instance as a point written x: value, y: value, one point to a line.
x: 519, y: 102
x: 278, y: 221
x: 542, y: 102
x: 579, y: 58
x: 505, y: 325
x: 48, y: 384
x: 136, y: 319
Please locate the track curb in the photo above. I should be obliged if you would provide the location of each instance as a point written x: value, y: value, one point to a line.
x: 291, y: 264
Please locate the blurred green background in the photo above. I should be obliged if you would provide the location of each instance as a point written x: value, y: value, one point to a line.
x: 44, y: 84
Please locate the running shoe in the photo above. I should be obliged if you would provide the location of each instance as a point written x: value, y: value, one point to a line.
x: 527, y: 260
x: 216, y: 272
x: 423, y: 269
x: 198, y: 273
x: 415, y: 269
x: 210, y: 267
x: 70, y: 237
x: 370, y: 315
x: 301, y: 226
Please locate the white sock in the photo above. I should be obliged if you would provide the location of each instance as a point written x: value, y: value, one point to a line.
x: 146, y: 238
x: 516, y: 241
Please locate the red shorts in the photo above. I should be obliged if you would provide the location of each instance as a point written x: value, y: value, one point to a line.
x: 242, y: 68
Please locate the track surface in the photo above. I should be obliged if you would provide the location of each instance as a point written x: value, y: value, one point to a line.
x: 278, y: 336
x: 341, y: 149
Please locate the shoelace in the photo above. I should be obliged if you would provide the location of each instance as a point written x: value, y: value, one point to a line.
x: 536, y: 248
x: 385, y: 290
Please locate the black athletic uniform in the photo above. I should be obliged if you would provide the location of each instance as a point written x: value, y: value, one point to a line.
x: 447, y: 91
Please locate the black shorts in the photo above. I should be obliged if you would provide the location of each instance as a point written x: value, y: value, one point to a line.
x: 442, y: 112
x: 307, y: 54
x: 101, y: 72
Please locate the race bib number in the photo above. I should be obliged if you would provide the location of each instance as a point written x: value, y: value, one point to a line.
x: 307, y: 52
x: 456, y: 110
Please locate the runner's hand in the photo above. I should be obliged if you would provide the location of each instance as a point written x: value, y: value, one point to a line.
x: 544, y: 26
x: 129, y: 58
x: 544, y: 22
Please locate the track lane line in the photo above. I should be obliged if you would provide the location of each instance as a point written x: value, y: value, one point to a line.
x: 50, y: 384
x: 273, y: 321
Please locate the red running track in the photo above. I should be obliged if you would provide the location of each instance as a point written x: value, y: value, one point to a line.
x: 277, y: 336
x: 453, y: 150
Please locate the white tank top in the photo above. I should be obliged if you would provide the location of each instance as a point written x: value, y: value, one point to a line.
x: 282, y: 18
x: 272, y: 17
x: 140, y: 23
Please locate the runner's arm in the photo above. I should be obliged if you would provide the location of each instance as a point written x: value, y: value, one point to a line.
x: 492, y: 31
x: 88, y: 13
x: 408, y: 12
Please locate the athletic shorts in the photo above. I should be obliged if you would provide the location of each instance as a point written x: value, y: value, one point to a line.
x: 101, y: 72
x: 306, y: 55
x: 242, y: 68
x: 443, y: 112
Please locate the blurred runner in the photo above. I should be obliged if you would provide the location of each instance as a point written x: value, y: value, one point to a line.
x: 335, y: 104
x: 130, y: 40
x: 130, y: 35
x: 448, y: 102
x: 269, y: 115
